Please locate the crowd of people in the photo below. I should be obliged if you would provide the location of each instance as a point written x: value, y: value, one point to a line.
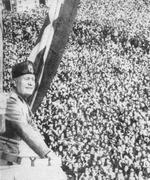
x: 20, y: 34
x: 95, y: 114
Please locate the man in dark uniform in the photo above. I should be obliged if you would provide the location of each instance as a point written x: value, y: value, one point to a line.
x: 22, y: 145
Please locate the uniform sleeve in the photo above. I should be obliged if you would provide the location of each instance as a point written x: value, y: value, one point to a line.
x: 24, y: 130
x: 13, y: 110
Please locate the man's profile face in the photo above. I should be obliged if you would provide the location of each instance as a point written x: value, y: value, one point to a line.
x: 25, y: 85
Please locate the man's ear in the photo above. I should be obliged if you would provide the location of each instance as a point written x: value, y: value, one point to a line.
x: 13, y: 82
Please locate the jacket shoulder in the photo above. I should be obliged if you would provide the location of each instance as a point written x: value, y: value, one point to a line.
x: 13, y: 104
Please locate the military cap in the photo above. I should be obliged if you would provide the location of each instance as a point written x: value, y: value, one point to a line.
x: 25, y: 67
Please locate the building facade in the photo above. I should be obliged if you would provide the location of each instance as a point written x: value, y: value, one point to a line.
x: 22, y: 5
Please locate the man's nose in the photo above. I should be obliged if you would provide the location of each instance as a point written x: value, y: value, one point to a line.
x: 31, y: 82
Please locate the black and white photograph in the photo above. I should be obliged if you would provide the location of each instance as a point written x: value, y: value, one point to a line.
x: 74, y: 89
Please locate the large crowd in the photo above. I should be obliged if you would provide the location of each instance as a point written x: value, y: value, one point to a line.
x: 96, y: 112
x: 20, y: 34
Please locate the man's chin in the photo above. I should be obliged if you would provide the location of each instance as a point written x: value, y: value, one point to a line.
x: 28, y: 94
